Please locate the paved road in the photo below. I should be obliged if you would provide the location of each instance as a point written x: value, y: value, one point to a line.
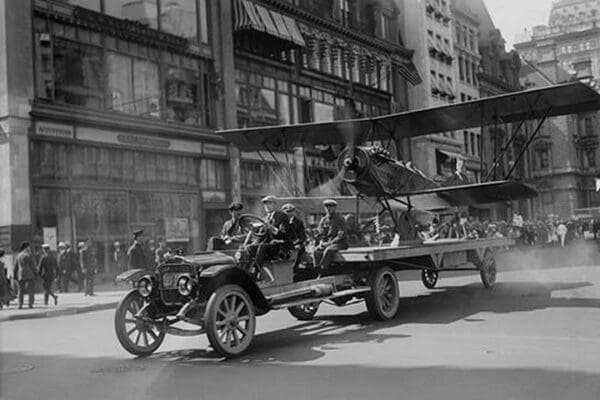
x: 536, y: 335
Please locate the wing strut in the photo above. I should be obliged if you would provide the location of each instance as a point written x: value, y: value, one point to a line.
x: 535, y: 132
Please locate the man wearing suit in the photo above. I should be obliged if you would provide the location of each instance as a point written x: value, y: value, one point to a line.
x: 48, y: 270
x: 25, y: 273
x: 296, y: 229
x: 136, y: 259
x: 268, y: 246
x: 232, y: 234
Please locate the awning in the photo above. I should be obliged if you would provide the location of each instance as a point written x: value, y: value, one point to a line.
x: 434, y: 84
x: 254, y: 17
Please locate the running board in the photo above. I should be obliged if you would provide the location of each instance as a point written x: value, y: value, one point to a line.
x: 171, y: 330
x: 342, y: 293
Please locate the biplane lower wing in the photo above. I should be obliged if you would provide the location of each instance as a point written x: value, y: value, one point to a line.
x: 479, y: 193
x: 524, y: 105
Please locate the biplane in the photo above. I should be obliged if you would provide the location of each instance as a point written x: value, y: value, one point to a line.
x: 214, y: 291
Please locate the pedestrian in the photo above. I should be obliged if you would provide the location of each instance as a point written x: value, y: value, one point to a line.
x: 62, y: 268
x: 136, y: 259
x: 4, y: 283
x: 72, y: 267
x: 120, y: 259
x: 88, y: 266
x: 48, y: 270
x: 25, y: 273
x: 561, y: 232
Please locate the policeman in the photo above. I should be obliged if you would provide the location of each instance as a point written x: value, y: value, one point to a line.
x: 136, y: 259
x: 331, y: 236
x: 232, y: 234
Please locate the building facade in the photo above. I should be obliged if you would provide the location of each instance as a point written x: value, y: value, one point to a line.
x: 108, y: 108
x: 564, y: 156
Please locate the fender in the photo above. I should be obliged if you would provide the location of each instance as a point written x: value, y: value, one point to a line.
x: 133, y: 275
x: 216, y: 276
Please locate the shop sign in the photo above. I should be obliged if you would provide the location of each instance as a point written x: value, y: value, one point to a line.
x: 213, y: 197
x: 144, y: 141
x: 210, y: 149
x: 54, y: 130
x: 177, y: 230
x: 50, y: 236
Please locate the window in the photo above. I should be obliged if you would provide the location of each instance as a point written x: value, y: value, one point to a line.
x: 182, y: 95
x: 589, y: 128
x: 77, y: 74
x: 466, y: 142
x: 543, y: 158
x: 49, y: 161
x: 590, y: 155
x: 472, y: 136
x: 387, y: 28
x: 179, y: 17
x: 212, y: 174
x: 133, y: 85
x: 461, y: 68
x: 346, y: 11
x: 144, y: 11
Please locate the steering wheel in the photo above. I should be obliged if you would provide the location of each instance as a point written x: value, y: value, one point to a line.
x: 255, y: 226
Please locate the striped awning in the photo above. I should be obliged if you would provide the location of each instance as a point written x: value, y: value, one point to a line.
x: 254, y: 17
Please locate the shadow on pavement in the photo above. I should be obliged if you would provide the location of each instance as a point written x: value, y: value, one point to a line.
x: 25, y: 376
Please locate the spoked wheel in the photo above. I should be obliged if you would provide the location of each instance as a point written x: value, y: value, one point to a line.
x: 429, y: 278
x: 304, y: 312
x: 487, y: 269
x: 230, y: 320
x: 384, y: 299
x: 139, y: 336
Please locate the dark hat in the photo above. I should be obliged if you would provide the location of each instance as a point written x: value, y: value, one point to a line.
x: 236, y: 206
x: 137, y: 233
x: 288, y: 207
x: 24, y: 245
x: 329, y: 202
x: 269, y: 199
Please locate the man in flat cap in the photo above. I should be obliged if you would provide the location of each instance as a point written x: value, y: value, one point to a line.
x: 48, y: 270
x: 331, y: 236
x: 136, y: 259
x: 26, y: 273
x: 268, y: 246
x: 232, y: 234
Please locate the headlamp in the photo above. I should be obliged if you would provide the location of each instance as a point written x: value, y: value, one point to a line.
x: 185, y: 285
x: 145, y: 286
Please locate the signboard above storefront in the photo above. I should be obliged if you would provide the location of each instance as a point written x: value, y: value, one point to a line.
x: 54, y: 130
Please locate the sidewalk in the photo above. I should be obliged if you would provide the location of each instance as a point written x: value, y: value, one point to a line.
x: 107, y: 296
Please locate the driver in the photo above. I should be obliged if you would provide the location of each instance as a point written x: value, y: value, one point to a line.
x: 266, y: 247
x: 232, y: 234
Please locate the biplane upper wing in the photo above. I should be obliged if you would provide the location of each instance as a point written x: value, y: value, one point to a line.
x: 549, y: 101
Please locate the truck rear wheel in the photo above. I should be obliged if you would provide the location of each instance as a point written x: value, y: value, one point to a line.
x: 487, y: 269
x: 230, y: 320
x: 383, y: 301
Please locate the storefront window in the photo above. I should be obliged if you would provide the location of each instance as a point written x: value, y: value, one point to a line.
x: 145, y: 89
x: 120, y: 83
x: 182, y: 95
x: 77, y: 74
x: 179, y: 18
x: 49, y: 161
x: 212, y: 174
x: 51, y: 210
x: 142, y: 11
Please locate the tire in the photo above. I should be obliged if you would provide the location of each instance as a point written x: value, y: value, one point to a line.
x: 487, y: 269
x: 304, y: 312
x: 230, y: 320
x: 429, y: 278
x: 139, y: 338
x: 383, y: 301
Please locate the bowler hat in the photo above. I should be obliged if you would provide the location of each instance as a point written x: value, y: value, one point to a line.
x: 137, y: 233
x: 236, y: 206
x: 329, y: 202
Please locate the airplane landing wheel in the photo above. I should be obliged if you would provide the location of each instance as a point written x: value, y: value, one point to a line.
x: 429, y: 278
x: 304, y: 312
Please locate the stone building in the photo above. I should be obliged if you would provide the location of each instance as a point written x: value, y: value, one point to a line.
x: 564, y: 156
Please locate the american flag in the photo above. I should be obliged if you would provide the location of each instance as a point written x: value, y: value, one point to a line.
x: 409, y: 71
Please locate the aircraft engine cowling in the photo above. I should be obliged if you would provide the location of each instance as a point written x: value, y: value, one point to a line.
x: 373, y: 172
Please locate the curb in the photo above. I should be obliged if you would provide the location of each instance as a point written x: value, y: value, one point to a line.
x: 64, y: 311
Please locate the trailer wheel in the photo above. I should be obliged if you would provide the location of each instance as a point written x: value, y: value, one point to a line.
x: 383, y: 300
x: 304, y: 312
x: 230, y: 320
x: 429, y: 278
x: 487, y: 269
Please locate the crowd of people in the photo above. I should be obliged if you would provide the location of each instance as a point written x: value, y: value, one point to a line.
x: 44, y: 270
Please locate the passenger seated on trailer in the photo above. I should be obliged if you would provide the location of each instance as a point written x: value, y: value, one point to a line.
x: 354, y: 235
x: 331, y: 236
